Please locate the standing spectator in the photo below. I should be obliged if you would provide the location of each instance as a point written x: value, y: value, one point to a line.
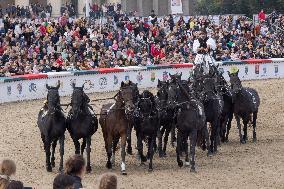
x: 108, y: 181
x: 75, y: 167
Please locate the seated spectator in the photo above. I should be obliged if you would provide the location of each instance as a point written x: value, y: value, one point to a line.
x: 75, y: 166
x: 7, y: 169
x: 63, y: 181
x: 108, y: 181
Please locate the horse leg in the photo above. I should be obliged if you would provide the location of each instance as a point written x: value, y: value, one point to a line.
x: 140, y: 148
x: 123, y: 154
x: 151, y: 152
x: 192, y: 149
x: 88, y: 150
x: 212, y: 138
x: 61, y: 143
x: 108, y: 146
x: 54, y: 143
x: 77, y: 145
x: 238, y: 119
x: 129, y: 147
x: 254, y: 126
x: 173, y: 135
x: 160, y: 138
x: 47, y: 145
x: 217, y: 134
x: 83, y: 146
x: 245, y: 129
x: 178, y: 148
x: 166, y: 141
x: 206, y: 136
x: 229, y: 124
x: 114, y: 146
x: 186, y: 150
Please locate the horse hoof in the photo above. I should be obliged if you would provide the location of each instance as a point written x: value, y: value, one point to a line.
x: 180, y: 163
x: 187, y: 164
x: 192, y: 170
x: 143, y: 159
x: 123, y: 173
x: 49, y: 169
x: 52, y: 164
x: 129, y: 151
x: 254, y: 139
x: 109, y: 165
x: 89, y: 169
x: 242, y: 141
x: 150, y: 170
x: 209, y: 154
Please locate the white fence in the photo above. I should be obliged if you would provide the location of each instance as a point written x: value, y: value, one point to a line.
x: 35, y: 89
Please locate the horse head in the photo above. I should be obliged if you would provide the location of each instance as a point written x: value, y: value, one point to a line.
x: 127, y: 95
x: 146, y: 103
x: 175, y: 78
x: 53, y: 98
x: 236, y: 84
x: 162, y: 93
x: 173, y: 95
x: 78, y: 99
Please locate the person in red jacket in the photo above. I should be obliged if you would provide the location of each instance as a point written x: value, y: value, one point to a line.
x: 261, y: 16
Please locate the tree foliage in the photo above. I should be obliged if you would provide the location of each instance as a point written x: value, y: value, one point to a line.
x: 248, y: 7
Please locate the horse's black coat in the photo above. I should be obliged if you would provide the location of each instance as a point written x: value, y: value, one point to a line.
x: 52, y: 125
x: 81, y: 122
x: 246, y: 102
x: 146, y: 125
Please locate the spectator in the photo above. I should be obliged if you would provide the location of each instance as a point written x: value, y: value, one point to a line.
x: 75, y: 166
x: 108, y: 181
x: 63, y: 181
x: 261, y: 15
x: 7, y: 169
x: 15, y: 185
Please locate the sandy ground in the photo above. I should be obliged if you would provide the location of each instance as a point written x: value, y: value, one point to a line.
x: 252, y: 165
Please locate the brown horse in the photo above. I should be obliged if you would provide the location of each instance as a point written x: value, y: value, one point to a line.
x: 114, y: 121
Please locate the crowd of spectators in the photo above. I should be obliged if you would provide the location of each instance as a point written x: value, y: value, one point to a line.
x: 40, y: 45
x: 32, y: 11
x: 72, y: 178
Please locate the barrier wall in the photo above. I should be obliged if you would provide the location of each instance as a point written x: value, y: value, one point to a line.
x: 28, y: 87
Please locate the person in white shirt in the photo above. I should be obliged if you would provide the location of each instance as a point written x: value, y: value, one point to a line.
x: 203, y: 46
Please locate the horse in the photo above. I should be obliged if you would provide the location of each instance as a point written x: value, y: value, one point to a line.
x: 166, y: 116
x: 146, y: 125
x: 52, y: 125
x: 81, y: 123
x: 190, y: 120
x: 114, y: 120
x: 213, y: 106
x: 246, y: 103
x: 227, y: 113
x: 130, y: 117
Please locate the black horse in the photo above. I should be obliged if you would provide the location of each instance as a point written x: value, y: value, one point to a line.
x: 227, y: 113
x: 166, y: 116
x: 52, y: 125
x: 246, y: 102
x: 190, y: 120
x: 146, y: 125
x: 135, y: 92
x: 81, y: 122
x: 213, y: 106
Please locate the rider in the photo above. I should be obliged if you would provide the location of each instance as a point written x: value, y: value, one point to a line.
x: 203, y: 46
